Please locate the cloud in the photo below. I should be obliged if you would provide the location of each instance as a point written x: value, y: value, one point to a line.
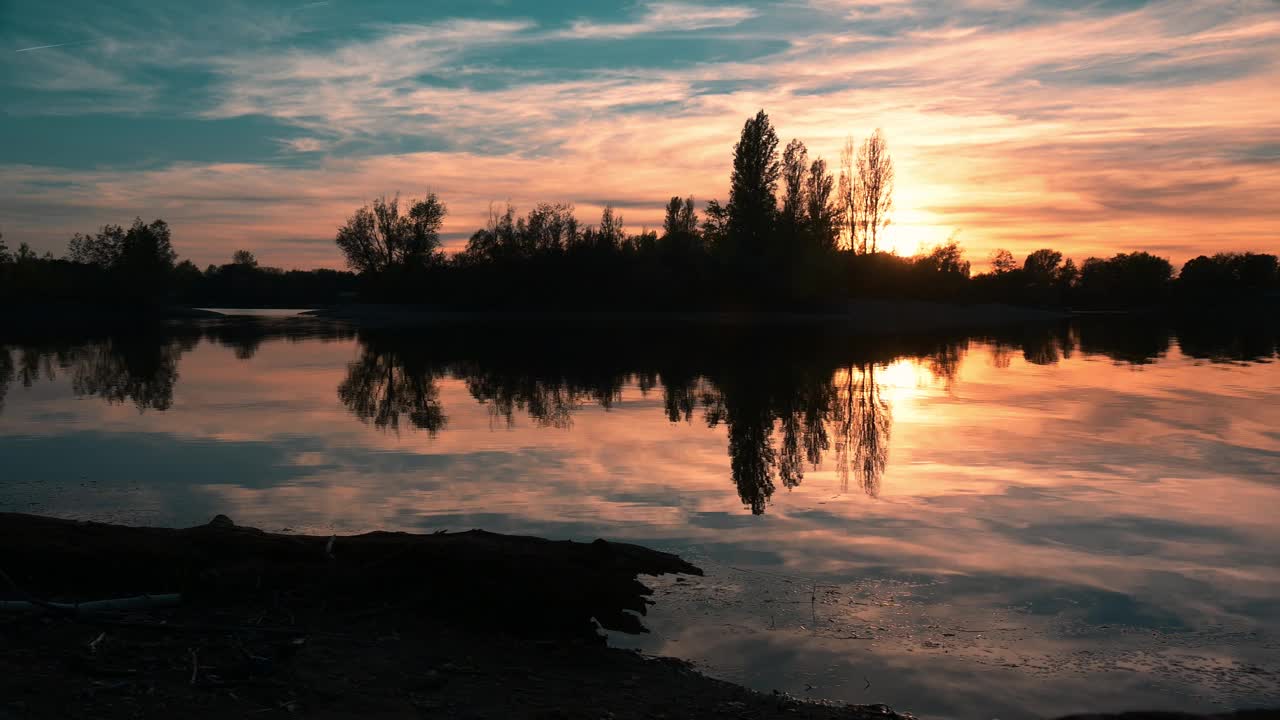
x: 665, y: 17
x: 304, y: 144
x: 1108, y: 126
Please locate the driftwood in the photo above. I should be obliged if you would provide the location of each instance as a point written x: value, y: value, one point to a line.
x: 507, y: 582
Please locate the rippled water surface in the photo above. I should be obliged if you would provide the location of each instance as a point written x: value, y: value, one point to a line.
x: 1075, y: 518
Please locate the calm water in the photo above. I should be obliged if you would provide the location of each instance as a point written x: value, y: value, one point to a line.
x: 1081, y: 518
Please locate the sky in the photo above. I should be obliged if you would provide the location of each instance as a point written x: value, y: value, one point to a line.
x: 1090, y: 127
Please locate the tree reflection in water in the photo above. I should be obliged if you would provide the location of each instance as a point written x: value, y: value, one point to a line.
x: 789, y: 403
x: 140, y: 364
x: 783, y: 409
x: 382, y: 386
x: 142, y: 369
x: 864, y: 422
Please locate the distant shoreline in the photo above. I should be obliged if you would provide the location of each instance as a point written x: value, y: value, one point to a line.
x: 868, y: 316
x: 862, y: 317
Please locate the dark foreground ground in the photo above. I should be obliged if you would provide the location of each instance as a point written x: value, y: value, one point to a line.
x: 385, y: 625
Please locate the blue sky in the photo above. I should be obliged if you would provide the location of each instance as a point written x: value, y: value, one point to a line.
x: 1016, y: 123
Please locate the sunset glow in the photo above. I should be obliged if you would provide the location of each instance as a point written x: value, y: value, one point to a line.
x: 1094, y: 129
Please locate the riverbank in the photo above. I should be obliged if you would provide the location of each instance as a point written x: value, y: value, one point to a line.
x: 862, y: 317
x: 61, y: 316
x: 383, y: 625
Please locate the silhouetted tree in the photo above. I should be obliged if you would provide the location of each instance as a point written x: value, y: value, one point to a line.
x: 753, y: 191
x: 1040, y: 272
x: 715, y: 225
x: 611, y: 233
x: 1229, y: 277
x: 1042, y: 266
x: 947, y: 258
x: 847, y: 207
x: 377, y: 238
x: 139, y: 259
x: 244, y: 258
x: 549, y: 228
x: 496, y: 241
x: 680, y: 230
x: 821, y: 215
x: 1126, y: 280
x: 874, y: 194
x: 681, y: 218
x: 101, y: 249
x: 1068, y: 277
x: 5, y: 257
x: 147, y: 254
x: 795, y: 165
x: 1002, y: 261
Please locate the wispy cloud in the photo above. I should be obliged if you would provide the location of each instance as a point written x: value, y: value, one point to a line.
x: 665, y: 17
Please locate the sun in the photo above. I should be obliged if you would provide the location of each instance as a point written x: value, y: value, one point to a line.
x: 901, y: 240
x: 913, y: 229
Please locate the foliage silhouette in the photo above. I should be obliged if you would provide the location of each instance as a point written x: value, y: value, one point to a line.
x: 753, y: 190
x: 1229, y: 277
x: 244, y: 258
x: 790, y: 237
x: 873, y: 195
x: 377, y: 239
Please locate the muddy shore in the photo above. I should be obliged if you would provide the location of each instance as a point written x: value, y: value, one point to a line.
x: 383, y: 625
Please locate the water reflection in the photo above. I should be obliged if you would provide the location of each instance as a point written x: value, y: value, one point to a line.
x: 1020, y: 485
x: 138, y: 365
x: 784, y: 407
x: 789, y: 402
x: 389, y: 382
x: 142, y: 370
x: 866, y: 421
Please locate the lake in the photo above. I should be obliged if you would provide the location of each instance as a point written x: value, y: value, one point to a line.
x: 1014, y: 524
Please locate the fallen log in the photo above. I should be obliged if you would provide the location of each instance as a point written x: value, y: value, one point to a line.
x: 507, y: 582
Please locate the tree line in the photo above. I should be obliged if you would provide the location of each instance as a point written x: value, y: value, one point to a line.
x: 791, y: 235
x: 137, y: 266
